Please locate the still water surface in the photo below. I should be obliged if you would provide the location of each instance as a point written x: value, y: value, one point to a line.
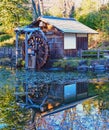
x: 53, y: 101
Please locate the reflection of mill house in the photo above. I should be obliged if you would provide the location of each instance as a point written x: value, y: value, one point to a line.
x: 55, y: 98
x: 64, y: 37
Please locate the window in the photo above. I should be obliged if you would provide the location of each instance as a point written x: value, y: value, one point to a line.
x: 69, y: 41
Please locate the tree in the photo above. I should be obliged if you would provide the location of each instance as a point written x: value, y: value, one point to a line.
x: 56, y: 8
x: 14, y: 13
x: 61, y: 8
x: 93, y: 15
x: 68, y: 8
x: 96, y: 19
x: 87, y: 6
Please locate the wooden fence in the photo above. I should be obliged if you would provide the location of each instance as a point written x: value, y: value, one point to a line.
x: 11, y: 52
x: 8, y: 52
x: 93, y: 53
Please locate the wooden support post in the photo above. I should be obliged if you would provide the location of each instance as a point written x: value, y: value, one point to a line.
x: 16, y: 48
x: 26, y: 50
x: 16, y: 86
x: 98, y: 54
x: 26, y: 92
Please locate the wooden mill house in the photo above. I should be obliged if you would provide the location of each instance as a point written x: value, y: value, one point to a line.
x: 58, y: 38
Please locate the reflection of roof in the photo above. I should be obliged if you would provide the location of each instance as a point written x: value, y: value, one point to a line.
x: 66, y: 106
x: 69, y: 25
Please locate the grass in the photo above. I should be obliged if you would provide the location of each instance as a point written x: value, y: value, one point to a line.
x: 8, y: 42
x: 6, y: 39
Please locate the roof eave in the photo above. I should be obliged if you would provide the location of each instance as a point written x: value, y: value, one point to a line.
x: 77, y: 31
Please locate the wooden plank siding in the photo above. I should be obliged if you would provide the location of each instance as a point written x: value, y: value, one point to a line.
x: 56, y: 41
x: 70, y: 53
x: 81, y: 42
x: 65, y: 36
x: 56, y: 47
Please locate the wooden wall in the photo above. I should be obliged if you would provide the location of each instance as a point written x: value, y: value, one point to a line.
x: 82, y: 42
x: 56, y: 47
x: 56, y: 43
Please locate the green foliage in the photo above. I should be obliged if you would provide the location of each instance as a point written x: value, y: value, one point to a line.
x: 87, y: 6
x: 102, y: 89
x: 66, y: 63
x: 91, y: 52
x: 61, y: 8
x: 1, y: 32
x: 21, y: 63
x: 14, y: 13
x: 107, y: 48
x: 11, y: 114
x: 8, y: 42
x: 4, y: 37
x: 93, y: 17
x: 55, y: 11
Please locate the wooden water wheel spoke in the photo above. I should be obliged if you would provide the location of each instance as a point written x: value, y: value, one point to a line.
x: 41, y: 52
x: 39, y: 60
x: 38, y: 47
x: 41, y: 49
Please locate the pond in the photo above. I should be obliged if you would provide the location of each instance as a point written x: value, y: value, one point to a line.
x: 53, y: 100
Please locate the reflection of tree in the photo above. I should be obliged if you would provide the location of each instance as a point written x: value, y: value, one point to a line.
x: 18, y: 118
x: 10, y: 113
x: 69, y: 117
x: 75, y: 118
x: 102, y: 90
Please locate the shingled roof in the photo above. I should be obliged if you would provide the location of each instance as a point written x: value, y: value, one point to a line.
x: 68, y: 25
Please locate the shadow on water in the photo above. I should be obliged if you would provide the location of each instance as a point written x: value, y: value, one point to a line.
x: 53, y: 101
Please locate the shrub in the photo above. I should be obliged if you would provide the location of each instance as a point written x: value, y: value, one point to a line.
x: 21, y: 63
x: 4, y: 37
x: 67, y: 64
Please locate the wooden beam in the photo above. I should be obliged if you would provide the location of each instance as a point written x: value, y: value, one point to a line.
x: 26, y: 50
x: 16, y: 48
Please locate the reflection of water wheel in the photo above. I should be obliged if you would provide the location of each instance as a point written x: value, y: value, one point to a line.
x: 39, y: 46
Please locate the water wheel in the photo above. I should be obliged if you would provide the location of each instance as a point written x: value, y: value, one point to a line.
x: 39, y: 47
